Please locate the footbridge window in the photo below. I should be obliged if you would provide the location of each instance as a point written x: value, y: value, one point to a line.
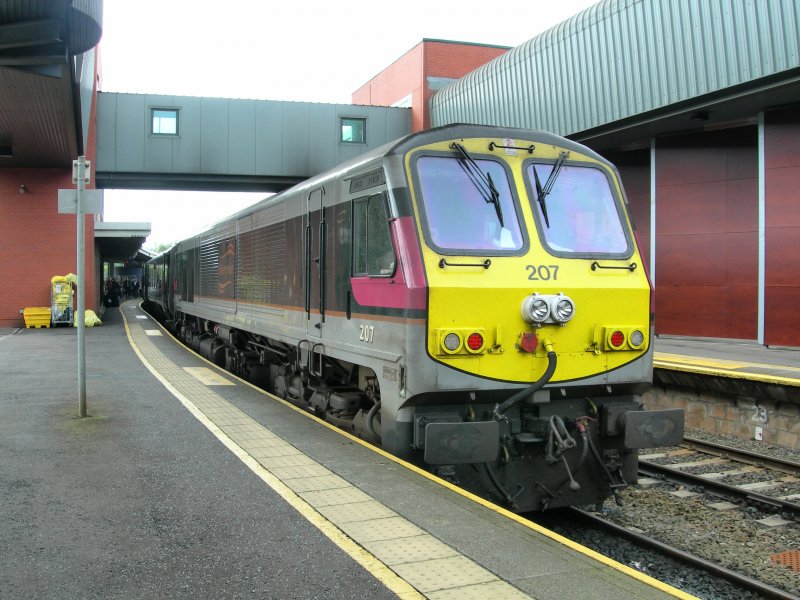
x: 164, y: 121
x: 354, y: 131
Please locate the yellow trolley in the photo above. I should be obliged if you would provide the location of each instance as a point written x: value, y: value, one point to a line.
x: 62, y: 310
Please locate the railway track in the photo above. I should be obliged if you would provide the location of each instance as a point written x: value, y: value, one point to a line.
x: 759, y: 460
x: 682, y: 536
x: 740, y: 580
x: 737, y: 475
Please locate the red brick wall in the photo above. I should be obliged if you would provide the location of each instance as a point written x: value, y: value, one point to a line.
x: 782, y: 192
x: 707, y: 234
x: 451, y: 60
x: 395, y: 82
x: 36, y: 242
x: 408, y: 75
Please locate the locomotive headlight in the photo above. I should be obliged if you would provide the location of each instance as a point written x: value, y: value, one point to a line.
x: 563, y: 308
x: 535, y: 309
x: 636, y: 339
x: 452, y: 342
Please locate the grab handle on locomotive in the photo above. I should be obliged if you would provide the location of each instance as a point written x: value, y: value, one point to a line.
x: 631, y: 267
x: 485, y: 264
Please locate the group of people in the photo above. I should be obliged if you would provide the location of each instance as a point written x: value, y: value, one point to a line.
x: 120, y: 288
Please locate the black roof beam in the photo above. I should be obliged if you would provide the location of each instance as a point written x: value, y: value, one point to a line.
x: 30, y: 34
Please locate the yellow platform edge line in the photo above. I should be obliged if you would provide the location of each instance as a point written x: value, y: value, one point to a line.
x: 719, y: 362
x: 610, y: 562
x: 374, y: 566
x: 717, y: 369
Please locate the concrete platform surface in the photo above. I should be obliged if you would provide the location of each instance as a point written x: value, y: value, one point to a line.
x: 186, y: 482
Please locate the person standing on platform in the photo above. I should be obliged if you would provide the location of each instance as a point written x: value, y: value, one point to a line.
x: 116, y: 290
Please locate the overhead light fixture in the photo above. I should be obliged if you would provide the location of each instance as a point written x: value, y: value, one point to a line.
x: 22, y: 188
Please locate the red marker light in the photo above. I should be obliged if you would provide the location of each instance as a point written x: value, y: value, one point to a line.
x: 617, y: 339
x: 475, y: 341
x: 528, y: 342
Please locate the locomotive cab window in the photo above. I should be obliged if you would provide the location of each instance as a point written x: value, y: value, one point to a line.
x: 579, y: 215
x: 373, y: 253
x: 468, y: 205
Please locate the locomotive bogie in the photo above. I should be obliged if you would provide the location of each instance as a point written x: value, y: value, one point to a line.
x: 469, y: 298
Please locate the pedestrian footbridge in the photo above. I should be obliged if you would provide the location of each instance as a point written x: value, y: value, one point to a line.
x: 191, y: 143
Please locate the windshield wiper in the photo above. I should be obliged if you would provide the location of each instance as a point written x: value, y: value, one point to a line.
x: 541, y: 192
x: 483, y: 181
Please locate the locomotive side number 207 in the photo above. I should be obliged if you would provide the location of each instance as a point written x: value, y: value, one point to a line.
x: 542, y: 272
x: 366, y: 333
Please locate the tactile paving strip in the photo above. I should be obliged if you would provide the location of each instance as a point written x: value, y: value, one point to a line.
x: 424, y: 562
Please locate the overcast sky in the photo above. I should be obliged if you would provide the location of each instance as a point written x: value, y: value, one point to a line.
x: 309, y: 51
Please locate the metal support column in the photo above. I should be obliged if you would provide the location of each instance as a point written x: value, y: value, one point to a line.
x: 80, y: 313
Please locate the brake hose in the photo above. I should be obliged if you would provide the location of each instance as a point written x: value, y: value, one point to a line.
x: 552, y: 360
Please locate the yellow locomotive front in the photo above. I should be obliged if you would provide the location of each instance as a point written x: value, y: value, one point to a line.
x: 527, y: 243
x: 535, y: 280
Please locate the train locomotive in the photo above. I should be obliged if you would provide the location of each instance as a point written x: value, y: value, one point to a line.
x: 469, y: 298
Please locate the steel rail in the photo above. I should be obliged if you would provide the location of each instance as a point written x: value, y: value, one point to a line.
x: 745, y: 456
x: 730, y: 491
x: 701, y: 563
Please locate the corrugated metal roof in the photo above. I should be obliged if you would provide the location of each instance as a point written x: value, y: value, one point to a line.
x: 621, y: 58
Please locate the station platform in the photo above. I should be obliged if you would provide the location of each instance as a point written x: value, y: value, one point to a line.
x: 184, y: 481
x: 746, y: 361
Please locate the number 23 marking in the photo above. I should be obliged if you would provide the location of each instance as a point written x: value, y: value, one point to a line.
x: 542, y: 272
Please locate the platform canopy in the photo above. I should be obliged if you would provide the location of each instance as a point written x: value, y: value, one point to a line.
x: 120, y: 241
x: 46, y: 79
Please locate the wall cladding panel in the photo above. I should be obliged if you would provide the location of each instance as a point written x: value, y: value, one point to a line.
x: 740, y: 315
x: 242, y: 137
x: 215, y: 135
x: 131, y: 126
x: 689, y: 310
x: 634, y: 170
x: 781, y: 325
x: 187, y: 146
x: 741, y: 258
x: 707, y: 233
x: 690, y: 259
x: 783, y: 193
x: 782, y: 190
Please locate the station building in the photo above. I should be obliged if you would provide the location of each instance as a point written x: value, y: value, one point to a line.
x: 696, y: 103
x: 48, y: 78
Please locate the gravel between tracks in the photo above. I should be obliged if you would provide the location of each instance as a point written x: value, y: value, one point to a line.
x: 750, y: 445
x: 731, y: 538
